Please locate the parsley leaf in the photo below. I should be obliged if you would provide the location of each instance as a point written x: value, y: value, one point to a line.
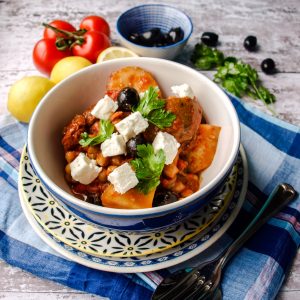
x: 106, y: 130
x: 234, y: 75
x: 241, y: 79
x: 152, y: 108
x: 206, y: 58
x: 148, y: 167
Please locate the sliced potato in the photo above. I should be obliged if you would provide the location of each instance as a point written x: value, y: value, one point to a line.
x: 133, y: 199
x: 201, y: 154
x: 129, y: 76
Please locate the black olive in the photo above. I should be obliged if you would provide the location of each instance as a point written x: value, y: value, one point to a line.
x: 210, y: 39
x: 164, y: 197
x: 131, y: 145
x: 134, y: 38
x: 250, y: 43
x: 268, y: 66
x: 176, y: 34
x: 128, y: 98
x: 153, y: 37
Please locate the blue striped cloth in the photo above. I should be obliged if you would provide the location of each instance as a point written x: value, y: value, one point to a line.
x: 256, y: 272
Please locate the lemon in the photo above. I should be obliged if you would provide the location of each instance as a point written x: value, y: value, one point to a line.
x: 25, y: 94
x: 115, y: 52
x: 67, y: 66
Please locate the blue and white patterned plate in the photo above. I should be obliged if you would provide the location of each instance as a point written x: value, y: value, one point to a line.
x: 77, y: 233
x: 159, y: 260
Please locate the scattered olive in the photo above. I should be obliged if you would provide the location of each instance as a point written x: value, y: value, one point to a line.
x: 268, y: 66
x: 176, y: 34
x: 164, y: 197
x: 131, y: 145
x: 250, y: 43
x: 128, y: 98
x: 156, y: 38
x: 210, y: 39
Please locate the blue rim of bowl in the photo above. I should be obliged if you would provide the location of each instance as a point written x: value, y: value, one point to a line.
x: 162, y: 47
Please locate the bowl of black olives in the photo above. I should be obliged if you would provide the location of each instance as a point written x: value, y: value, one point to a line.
x: 154, y: 30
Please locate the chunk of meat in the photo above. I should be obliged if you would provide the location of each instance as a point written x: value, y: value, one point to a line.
x: 129, y: 76
x: 202, y: 151
x: 133, y: 199
x: 188, y: 117
x: 72, y: 132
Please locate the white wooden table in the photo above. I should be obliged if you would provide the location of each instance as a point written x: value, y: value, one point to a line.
x: 276, y: 24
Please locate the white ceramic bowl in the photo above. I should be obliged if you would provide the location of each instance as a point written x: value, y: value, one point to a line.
x: 76, y: 93
x: 142, y: 18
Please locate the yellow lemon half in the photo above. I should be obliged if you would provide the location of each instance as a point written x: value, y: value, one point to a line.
x: 115, y: 52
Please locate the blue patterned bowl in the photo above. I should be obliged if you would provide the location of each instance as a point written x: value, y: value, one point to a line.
x: 142, y: 18
x: 74, y: 94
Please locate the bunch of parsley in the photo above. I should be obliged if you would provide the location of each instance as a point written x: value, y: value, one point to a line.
x: 234, y: 75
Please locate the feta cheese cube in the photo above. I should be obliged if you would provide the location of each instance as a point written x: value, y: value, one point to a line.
x: 123, y: 178
x: 104, y: 108
x: 168, y: 144
x: 84, y: 169
x: 183, y: 90
x: 115, y: 145
x: 132, y: 125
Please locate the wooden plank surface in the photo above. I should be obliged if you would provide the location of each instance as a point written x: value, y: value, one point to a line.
x: 276, y: 24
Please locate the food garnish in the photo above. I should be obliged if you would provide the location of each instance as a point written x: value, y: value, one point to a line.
x: 241, y: 79
x: 206, y: 58
x: 148, y: 167
x: 233, y: 74
x: 152, y: 108
x: 105, y: 132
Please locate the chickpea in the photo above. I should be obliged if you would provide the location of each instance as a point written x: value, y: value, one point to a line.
x: 178, y: 187
x: 101, y: 160
x: 71, y: 155
x: 92, y: 152
x: 102, y: 176
x: 117, y: 160
x: 110, y: 169
x: 186, y: 192
x: 68, y: 169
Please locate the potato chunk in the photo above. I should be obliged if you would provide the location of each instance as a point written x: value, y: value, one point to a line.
x: 202, y: 151
x: 133, y: 199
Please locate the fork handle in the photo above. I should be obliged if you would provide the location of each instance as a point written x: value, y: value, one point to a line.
x: 279, y: 197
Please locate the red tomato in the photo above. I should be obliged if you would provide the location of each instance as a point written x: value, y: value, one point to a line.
x: 50, y: 34
x: 45, y: 55
x: 95, y: 23
x: 95, y: 42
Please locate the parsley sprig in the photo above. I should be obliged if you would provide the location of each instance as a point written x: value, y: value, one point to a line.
x: 152, y: 108
x: 106, y: 130
x: 234, y: 75
x: 148, y: 167
x: 206, y: 58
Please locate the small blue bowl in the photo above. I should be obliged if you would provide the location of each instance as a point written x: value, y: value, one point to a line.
x: 142, y: 18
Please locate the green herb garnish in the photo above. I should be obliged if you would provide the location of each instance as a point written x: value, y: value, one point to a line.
x: 148, y: 167
x: 106, y: 130
x: 206, y: 58
x: 152, y: 108
x: 234, y: 75
x: 241, y: 79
